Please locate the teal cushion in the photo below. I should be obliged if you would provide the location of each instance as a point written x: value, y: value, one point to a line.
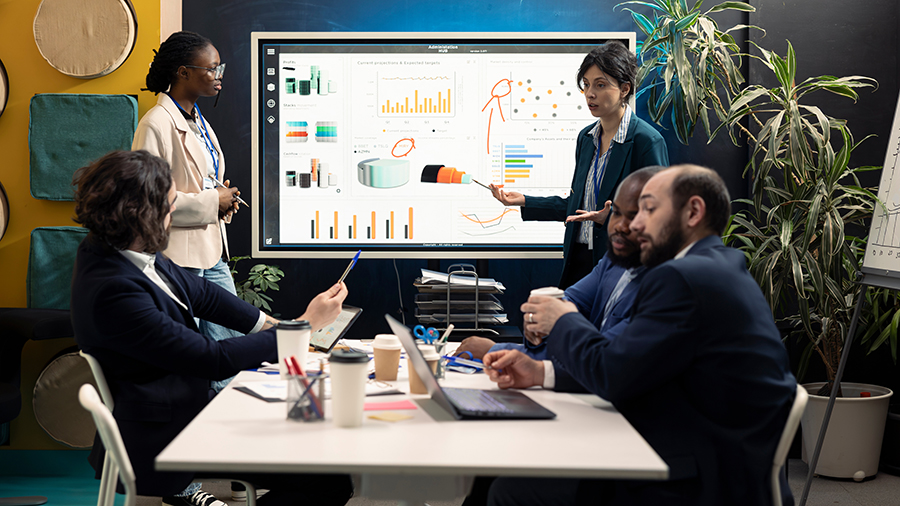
x: 51, y: 261
x: 67, y: 131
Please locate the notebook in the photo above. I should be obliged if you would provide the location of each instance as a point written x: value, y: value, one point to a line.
x: 468, y: 403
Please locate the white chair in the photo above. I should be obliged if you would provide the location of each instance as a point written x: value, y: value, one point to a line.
x: 117, y: 463
x: 107, y: 493
x: 787, y: 437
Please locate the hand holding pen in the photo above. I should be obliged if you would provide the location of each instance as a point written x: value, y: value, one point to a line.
x: 235, y: 194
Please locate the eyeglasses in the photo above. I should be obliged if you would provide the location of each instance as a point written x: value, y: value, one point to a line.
x: 218, y: 71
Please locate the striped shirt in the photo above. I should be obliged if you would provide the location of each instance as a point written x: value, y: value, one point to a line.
x: 597, y: 172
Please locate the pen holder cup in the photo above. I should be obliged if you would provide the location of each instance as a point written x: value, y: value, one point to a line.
x: 440, y: 371
x: 303, y: 402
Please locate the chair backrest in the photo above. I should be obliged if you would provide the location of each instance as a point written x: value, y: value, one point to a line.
x: 787, y: 437
x: 100, y: 378
x: 120, y: 465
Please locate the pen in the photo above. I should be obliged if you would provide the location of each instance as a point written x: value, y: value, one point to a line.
x: 236, y: 197
x: 317, y: 407
x: 481, y: 184
x: 446, y: 334
x: 349, y: 267
x: 466, y: 362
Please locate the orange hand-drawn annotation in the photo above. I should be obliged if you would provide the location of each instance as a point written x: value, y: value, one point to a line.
x: 507, y: 210
x: 411, y: 147
x: 494, y: 95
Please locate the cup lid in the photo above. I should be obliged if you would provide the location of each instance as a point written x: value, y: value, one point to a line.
x: 348, y: 357
x: 387, y: 342
x: 293, y: 325
x: 548, y: 291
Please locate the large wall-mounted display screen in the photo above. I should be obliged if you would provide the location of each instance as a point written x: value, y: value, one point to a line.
x: 381, y: 141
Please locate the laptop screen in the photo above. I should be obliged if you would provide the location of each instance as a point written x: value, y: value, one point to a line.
x: 421, y: 365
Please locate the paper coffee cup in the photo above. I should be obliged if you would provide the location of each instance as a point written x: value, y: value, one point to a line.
x: 416, y: 386
x: 292, y: 339
x: 549, y: 291
x: 387, y: 356
x: 348, y: 387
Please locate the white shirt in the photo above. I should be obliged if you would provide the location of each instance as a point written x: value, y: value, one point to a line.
x: 147, y: 264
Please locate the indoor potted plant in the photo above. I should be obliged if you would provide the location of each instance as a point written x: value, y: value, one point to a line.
x: 807, y: 203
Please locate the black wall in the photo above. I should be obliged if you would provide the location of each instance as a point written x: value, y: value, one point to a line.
x: 830, y: 36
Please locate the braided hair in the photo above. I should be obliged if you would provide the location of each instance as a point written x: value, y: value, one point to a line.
x: 179, y: 49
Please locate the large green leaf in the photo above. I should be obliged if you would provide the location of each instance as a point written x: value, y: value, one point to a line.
x: 737, y: 6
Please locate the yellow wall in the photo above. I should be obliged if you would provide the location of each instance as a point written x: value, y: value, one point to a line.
x: 29, y: 74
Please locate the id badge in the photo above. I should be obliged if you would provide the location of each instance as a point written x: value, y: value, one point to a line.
x: 208, y: 183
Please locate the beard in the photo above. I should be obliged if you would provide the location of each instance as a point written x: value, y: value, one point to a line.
x: 633, y: 259
x: 671, y: 239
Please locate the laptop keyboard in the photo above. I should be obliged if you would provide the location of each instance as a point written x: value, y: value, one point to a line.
x: 469, y: 399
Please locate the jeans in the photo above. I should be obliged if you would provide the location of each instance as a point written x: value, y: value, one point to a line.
x: 219, y: 274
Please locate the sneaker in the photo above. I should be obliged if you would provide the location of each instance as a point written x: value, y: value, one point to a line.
x: 239, y: 492
x: 198, y: 498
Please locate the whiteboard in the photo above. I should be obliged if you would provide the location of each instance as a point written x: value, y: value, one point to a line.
x: 881, y: 263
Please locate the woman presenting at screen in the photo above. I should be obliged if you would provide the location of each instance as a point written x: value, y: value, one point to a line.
x: 187, y: 67
x: 606, y: 152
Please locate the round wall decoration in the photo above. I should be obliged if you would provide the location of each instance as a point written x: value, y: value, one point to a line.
x: 85, y: 38
x: 4, y: 88
x: 4, y: 211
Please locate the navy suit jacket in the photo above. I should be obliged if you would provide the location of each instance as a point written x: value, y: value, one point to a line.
x: 157, y: 364
x: 590, y: 295
x: 700, y: 372
x: 643, y: 146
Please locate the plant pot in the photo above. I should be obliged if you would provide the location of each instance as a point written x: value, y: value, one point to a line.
x: 852, y: 444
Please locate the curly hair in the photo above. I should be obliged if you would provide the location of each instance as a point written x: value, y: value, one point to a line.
x: 179, y: 49
x: 615, y: 60
x: 124, y: 197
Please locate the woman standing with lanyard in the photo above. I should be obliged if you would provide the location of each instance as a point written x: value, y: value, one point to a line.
x: 606, y: 152
x: 185, y: 68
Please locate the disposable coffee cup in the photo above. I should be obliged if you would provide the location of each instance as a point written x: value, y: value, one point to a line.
x: 416, y: 386
x: 387, y: 356
x: 549, y: 291
x: 348, y: 387
x: 292, y: 338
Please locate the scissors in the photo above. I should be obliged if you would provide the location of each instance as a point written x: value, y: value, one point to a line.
x: 429, y: 335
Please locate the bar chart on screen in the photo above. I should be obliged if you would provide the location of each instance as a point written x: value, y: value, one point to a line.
x: 529, y: 163
x: 418, y: 95
x: 349, y: 226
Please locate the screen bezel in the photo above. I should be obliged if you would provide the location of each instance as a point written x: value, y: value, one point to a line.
x: 258, y: 39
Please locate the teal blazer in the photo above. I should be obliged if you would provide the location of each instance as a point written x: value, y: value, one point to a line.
x: 643, y: 146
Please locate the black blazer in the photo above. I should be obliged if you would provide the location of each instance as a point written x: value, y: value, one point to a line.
x: 157, y: 364
x: 643, y: 146
x: 700, y: 372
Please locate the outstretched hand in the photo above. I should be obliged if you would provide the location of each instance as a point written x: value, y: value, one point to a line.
x: 513, y: 369
x: 507, y: 198
x: 598, y: 217
x: 325, y: 307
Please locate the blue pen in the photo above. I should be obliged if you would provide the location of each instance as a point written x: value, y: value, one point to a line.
x: 350, y: 267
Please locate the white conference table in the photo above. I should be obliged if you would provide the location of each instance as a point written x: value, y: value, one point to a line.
x: 428, y: 457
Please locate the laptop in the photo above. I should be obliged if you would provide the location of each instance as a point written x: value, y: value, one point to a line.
x: 469, y: 403
x: 325, y: 338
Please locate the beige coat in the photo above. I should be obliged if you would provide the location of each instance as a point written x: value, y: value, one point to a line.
x: 197, y: 233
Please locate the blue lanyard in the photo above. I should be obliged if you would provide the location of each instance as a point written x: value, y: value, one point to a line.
x: 213, y: 153
x: 598, y: 178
